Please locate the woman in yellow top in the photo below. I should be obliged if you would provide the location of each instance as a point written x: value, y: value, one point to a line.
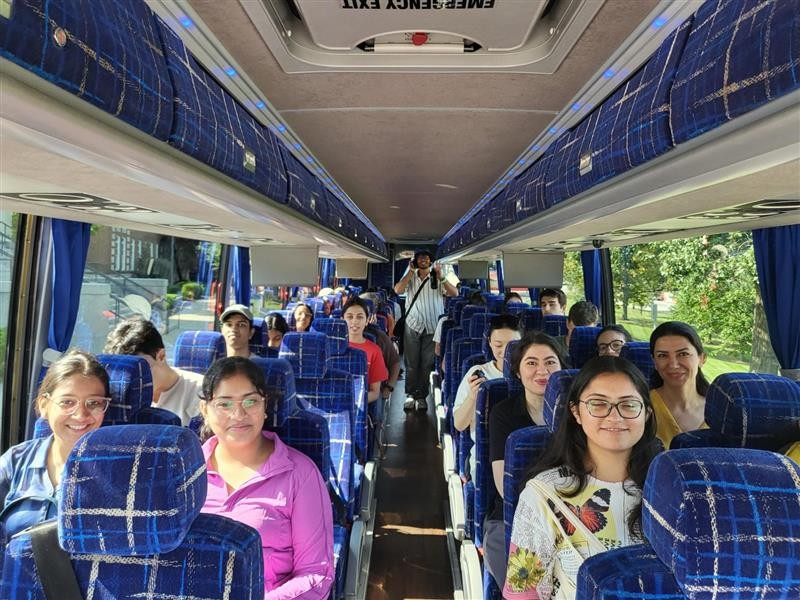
x: 678, y: 385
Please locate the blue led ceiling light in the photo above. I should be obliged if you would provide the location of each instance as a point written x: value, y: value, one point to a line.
x: 553, y: 130
x: 260, y: 104
x: 660, y: 22
x: 297, y: 146
x: 230, y: 71
x: 576, y: 106
x: 186, y: 21
x: 609, y: 73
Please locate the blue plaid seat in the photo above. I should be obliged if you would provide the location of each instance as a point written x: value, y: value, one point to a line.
x: 196, y: 351
x: 555, y: 397
x: 725, y: 521
x: 740, y: 54
x: 583, y: 345
x: 479, y: 323
x: 131, y: 386
x: 532, y: 319
x: 112, y: 56
x: 350, y: 360
x: 516, y: 308
x: 328, y: 392
x: 555, y: 325
x: 466, y: 316
x: 260, y: 341
x: 341, y: 536
x: 627, y: 573
x: 745, y: 410
x: 629, y: 128
x: 639, y: 354
x: 210, y: 125
x: 468, y: 493
x: 129, y: 516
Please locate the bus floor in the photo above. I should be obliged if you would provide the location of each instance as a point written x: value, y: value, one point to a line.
x: 409, y: 551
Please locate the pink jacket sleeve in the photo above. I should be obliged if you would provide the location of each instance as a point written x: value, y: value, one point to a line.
x: 312, y: 540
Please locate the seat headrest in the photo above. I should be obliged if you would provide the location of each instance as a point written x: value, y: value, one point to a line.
x: 280, y: 389
x: 749, y: 407
x: 583, y: 344
x: 196, y: 351
x: 555, y: 397
x: 507, y: 359
x: 306, y: 352
x: 479, y: 323
x: 336, y: 330
x: 720, y: 517
x: 131, y: 490
x: 531, y: 318
x: 131, y: 384
x: 639, y: 354
x: 555, y: 325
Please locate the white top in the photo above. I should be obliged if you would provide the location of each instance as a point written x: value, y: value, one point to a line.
x: 547, y: 550
x: 490, y: 372
x: 183, y: 398
x: 437, y: 335
x: 427, y: 308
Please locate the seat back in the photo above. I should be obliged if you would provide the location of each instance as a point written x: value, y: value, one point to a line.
x: 555, y: 325
x: 555, y: 397
x: 639, y: 354
x: 479, y: 323
x: 467, y: 313
x: 196, y: 351
x: 515, y: 308
x: 260, y: 341
x: 532, y: 319
x: 129, y: 512
x: 583, y: 345
x: 720, y: 517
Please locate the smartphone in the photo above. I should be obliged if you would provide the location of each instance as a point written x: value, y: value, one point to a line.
x: 478, y: 373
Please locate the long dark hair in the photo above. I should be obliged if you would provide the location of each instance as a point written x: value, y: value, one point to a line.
x: 683, y: 330
x: 568, y: 447
x: 228, y: 367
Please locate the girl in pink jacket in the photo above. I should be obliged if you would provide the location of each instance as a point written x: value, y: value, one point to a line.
x: 258, y: 480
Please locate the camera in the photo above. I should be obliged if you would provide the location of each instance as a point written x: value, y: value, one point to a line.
x: 597, y: 243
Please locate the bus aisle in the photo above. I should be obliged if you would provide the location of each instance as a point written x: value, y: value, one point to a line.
x: 409, y: 552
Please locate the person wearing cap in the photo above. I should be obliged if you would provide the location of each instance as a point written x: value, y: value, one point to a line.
x: 237, y: 329
x: 421, y: 316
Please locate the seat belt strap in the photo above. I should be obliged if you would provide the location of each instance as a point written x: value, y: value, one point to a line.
x: 53, y: 565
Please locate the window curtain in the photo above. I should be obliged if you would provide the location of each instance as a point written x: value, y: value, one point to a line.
x: 592, y: 278
x: 498, y: 268
x: 70, y: 248
x: 777, y: 251
x: 240, y: 260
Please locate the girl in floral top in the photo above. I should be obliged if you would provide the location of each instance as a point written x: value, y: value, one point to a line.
x: 595, y: 466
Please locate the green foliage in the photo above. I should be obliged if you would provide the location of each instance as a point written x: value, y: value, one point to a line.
x: 573, y: 277
x: 169, y: 301
x: 3, y: 349
x: 714, y: 279
x: 637, y: 277
x: 192, y: 291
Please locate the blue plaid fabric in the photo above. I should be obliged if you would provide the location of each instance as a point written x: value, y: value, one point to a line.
x: 340, y: 550
x: 700, y: 438
x: 450, y: 385
x: 532, y: 318
x: 336, y: 330
x: 516, y: 308
x: 583, y: 345
x: 228, y: 552
x: 318, y: 306
x: 507, y: 374
x: 468, y: 493
x: 523, y: 448
x: 527, y: 194
x: 260, y: 341
x: 306, y: 194
x: 131, y: 490
x: 555, y: 325
x: 555, y: 397
x: 354, y: 362
x: 281, y: 390
x: 489, y: 394
x: 748, y: 408
x: 452, y: 303
x: 479, y: 323
x: 211, y: 126
x: 629, y: 573
x: 466, y: 315
x: 639, y: 354
x: 131, y: 386
x: 726, y: 521
x: 629, y: 128
x: 112, y: 57
x: 152, y: 415
x: 306, y: 352
x: 307, y: 431
x: 196, y: 351
x: 740, y: 54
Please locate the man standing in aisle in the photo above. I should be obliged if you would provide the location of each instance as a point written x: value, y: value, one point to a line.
x: 424, y: 289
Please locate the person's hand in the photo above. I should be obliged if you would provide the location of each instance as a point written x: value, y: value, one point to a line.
x: 475, y: 382
x: 438, y: 268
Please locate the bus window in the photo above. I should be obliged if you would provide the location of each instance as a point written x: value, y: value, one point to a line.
x: 8, y: 237
x: 165, y: 279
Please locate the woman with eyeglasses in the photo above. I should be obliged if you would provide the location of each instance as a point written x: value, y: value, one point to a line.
x: 254, y: 478
x: 73, y: 397
x: 584, y: 494
x: 611, y: 340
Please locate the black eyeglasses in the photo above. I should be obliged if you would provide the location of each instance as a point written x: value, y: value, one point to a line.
x: 616, y: 346
x: 627, y: 409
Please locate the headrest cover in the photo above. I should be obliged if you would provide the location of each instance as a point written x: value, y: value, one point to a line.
x: 507, y: 360
x: 131, y: 384
x: 306, y: 352
x: 749, y: 407
x: 336, y: 330
x: 555, y: 397
x: 639, y: 354
x: 280, y: 388
x: 705, y: 510
x: 479, y: 323
x: 195, y: 351
x: 583, y: 344
x: 131, y: 490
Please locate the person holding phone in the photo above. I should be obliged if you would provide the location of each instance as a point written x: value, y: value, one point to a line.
x: 424, y: 288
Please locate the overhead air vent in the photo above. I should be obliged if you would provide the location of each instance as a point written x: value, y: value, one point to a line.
x: 530, y: 36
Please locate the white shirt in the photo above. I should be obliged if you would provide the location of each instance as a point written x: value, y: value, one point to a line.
x: 490, y: 372
x: 428, y: 306
x: 183, y: 398
x: 437, y: 335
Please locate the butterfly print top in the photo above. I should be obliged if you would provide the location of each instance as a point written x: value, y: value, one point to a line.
x: 546, y: 550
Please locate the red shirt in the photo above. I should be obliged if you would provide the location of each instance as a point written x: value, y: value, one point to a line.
x: 376, y: 368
